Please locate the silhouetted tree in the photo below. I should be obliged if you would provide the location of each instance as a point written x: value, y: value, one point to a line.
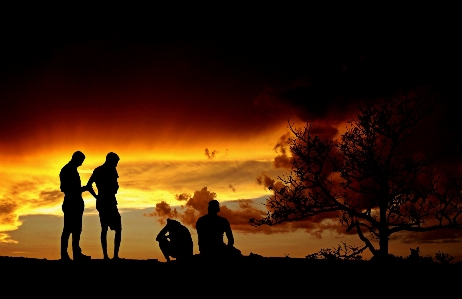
x: 372, y: 177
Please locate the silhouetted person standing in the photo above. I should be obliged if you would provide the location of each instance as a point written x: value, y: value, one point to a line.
x: 72, y: 207
x: 178, y: 243
x: 210, y: 231
x: 105, y: 177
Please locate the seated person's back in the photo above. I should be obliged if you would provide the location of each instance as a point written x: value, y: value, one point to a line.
x: 178, y: 243
x: 210, y: 231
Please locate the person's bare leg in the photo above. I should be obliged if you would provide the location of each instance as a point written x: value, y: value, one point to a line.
x: 76, y: 250
x: 64, y: 243
x: 117, y: 239
x: 104, y: 242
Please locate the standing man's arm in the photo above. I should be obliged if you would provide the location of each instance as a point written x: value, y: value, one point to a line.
x: 69, y: 185
x: 89, y: 186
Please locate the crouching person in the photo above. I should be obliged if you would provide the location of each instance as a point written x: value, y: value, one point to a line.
x: 175, y: 241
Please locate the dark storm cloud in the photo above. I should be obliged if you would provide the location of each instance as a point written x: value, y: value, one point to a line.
x: 306, y: 101
x: 135, y: 82
x: 71, y: 77
x: 326, y: 98
x: 353, y: 65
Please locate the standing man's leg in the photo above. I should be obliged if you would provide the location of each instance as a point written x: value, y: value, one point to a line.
x: 116, y: 225
x: 104, y: 241
x: 65, y: 235
x: 103, y: 219
x: 76, y: 250
x: 76, y: 231
x: 64, y: 242
x: 117, y: 239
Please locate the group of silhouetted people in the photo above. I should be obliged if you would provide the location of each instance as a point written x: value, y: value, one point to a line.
x: 210, y: 230
x: 105, y: 177
x: 174, y: 239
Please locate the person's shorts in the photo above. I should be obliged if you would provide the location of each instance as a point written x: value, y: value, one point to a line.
x: 110, y: 217
x: 73, y: 221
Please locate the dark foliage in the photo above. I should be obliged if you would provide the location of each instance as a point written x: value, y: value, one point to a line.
x: 342, y: 252
x: 373, y: 178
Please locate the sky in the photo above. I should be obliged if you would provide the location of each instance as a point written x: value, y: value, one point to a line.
x: 198, y: 113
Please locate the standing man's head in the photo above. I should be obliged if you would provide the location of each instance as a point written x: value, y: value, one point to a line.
x: 214, y: 207
x: 77, y: 158
x: 112, y: 159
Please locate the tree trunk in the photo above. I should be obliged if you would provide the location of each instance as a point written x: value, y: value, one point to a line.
x: 383, y: 234
x: 383, y: 243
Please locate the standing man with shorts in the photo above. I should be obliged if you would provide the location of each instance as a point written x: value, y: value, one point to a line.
x: 72, y: 207
x: 105, y: 177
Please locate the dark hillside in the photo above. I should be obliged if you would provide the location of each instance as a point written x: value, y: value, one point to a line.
x: 248, y: 276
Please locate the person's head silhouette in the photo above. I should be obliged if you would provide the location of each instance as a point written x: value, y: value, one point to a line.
x: 77, y: 158
x: 214, y: 207
x: 173, y: 223
x: 112, y: 159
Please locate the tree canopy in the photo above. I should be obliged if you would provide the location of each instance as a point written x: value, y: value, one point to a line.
x: 373, y: 177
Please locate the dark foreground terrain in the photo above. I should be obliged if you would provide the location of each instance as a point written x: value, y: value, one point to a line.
x: 244, y: 277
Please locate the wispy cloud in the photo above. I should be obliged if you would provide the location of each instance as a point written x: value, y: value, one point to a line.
x: 5, y: 238
x: 30, y: 197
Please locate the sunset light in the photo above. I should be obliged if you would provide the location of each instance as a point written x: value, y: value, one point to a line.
x: 193, y: 120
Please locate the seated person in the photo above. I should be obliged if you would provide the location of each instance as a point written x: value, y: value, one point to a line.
x: 210, y: 231
x: 178, y: 243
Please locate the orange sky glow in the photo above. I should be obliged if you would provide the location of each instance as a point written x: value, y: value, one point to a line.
x: 191, y: 121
